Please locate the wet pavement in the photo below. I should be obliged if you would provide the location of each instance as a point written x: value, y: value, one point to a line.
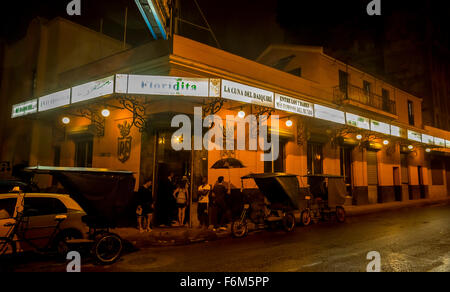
x: 415, y: 239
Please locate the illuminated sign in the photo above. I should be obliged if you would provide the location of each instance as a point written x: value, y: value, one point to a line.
x: 398, y: 132
x: 439, y: 142
x: 380, y: 127
x: 166, y: 85
x: 121, y: 83
x: 357, y: 121
x: 244, y: 93
x: 294, y: 105
x: 93, y: 89
x: 54, y: 100
x: 329, y: 114
x: 414, y: 136
x: 447, y: 143
x: 23, y: 109
x: 427, y: 139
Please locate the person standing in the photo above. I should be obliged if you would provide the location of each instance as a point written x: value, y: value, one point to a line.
x: 181, y: 195
x: 220, y: 191
x: 146, y: 202
x: 203, y: 203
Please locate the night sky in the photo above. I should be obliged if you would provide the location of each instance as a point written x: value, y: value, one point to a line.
x: 244, y: 27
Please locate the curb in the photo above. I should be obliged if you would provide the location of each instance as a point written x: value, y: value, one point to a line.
x: 353, y: 211
x: 166, y: 238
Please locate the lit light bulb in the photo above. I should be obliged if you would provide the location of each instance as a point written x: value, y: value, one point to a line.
x: 241, y: 114
x: 106, y: 113
x: 65, y: 120
x: 386, y: 142
x: 428, y: 150
x: 359, y: 137
x: 410, y: 147
x: 289, y: 123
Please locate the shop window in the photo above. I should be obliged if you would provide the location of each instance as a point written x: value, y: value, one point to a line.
x: 278, y: 165
x: 437, y: 172
x: 83, y: 153
x: 315, y: 158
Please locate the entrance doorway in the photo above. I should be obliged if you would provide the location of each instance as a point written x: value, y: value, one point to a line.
x: 346, y: 161
x: 372, y: 176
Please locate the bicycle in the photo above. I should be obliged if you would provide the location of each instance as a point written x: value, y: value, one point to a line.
x: 105, y: 247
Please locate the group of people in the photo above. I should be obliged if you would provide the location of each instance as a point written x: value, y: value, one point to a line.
x: 173, y: 199
x: 213, y: 204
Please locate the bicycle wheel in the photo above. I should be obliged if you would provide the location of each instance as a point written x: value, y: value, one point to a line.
x: 108, y: 248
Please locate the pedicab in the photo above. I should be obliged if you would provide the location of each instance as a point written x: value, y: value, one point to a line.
x: 283, y: 203
x: 325, y: 200
x: 103, y: 194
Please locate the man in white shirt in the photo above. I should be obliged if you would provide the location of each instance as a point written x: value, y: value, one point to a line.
x: 203, y: 202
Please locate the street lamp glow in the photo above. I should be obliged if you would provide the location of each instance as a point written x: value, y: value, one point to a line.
x: 106, y: 113
x: 65, y: 120
x: 241, y: 114
x: 289, y: 123
x: 386, y: 142
x: 359, y: 137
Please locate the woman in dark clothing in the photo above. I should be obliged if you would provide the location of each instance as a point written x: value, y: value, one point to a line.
x: 146, y: 202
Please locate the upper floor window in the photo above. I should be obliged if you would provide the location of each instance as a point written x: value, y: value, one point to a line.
x: 343, y: 81
x: 385, y: 95
x: 296, y: 72
x: 367, y: 86
x: 411, y: 113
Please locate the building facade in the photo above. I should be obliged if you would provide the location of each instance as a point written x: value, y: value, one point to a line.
x: 116, y: 110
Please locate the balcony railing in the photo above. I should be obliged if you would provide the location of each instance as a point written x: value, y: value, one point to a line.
x: 359, y: 95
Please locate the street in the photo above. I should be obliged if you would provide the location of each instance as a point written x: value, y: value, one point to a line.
x: 409, y: 240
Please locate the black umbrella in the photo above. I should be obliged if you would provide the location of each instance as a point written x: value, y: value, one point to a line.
x: 228, y: 163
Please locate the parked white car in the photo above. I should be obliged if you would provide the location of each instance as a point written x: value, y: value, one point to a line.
x: 40, y: 211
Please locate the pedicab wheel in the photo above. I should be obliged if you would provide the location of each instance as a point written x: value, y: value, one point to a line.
x: 306, y: 218
x: 239, y: 229
x: 340, y: 214
x: 108, y: 248
x: 289, y: 222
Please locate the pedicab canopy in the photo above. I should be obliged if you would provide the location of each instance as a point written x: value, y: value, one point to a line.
x: 330, y: 187
x: 103, y: 194
x: 279, y: 188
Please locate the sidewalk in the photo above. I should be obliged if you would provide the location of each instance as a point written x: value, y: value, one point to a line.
x: 172, y: 236
x: 352, y: 211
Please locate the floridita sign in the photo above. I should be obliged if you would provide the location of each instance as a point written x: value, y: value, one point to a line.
x: 163, y: 85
